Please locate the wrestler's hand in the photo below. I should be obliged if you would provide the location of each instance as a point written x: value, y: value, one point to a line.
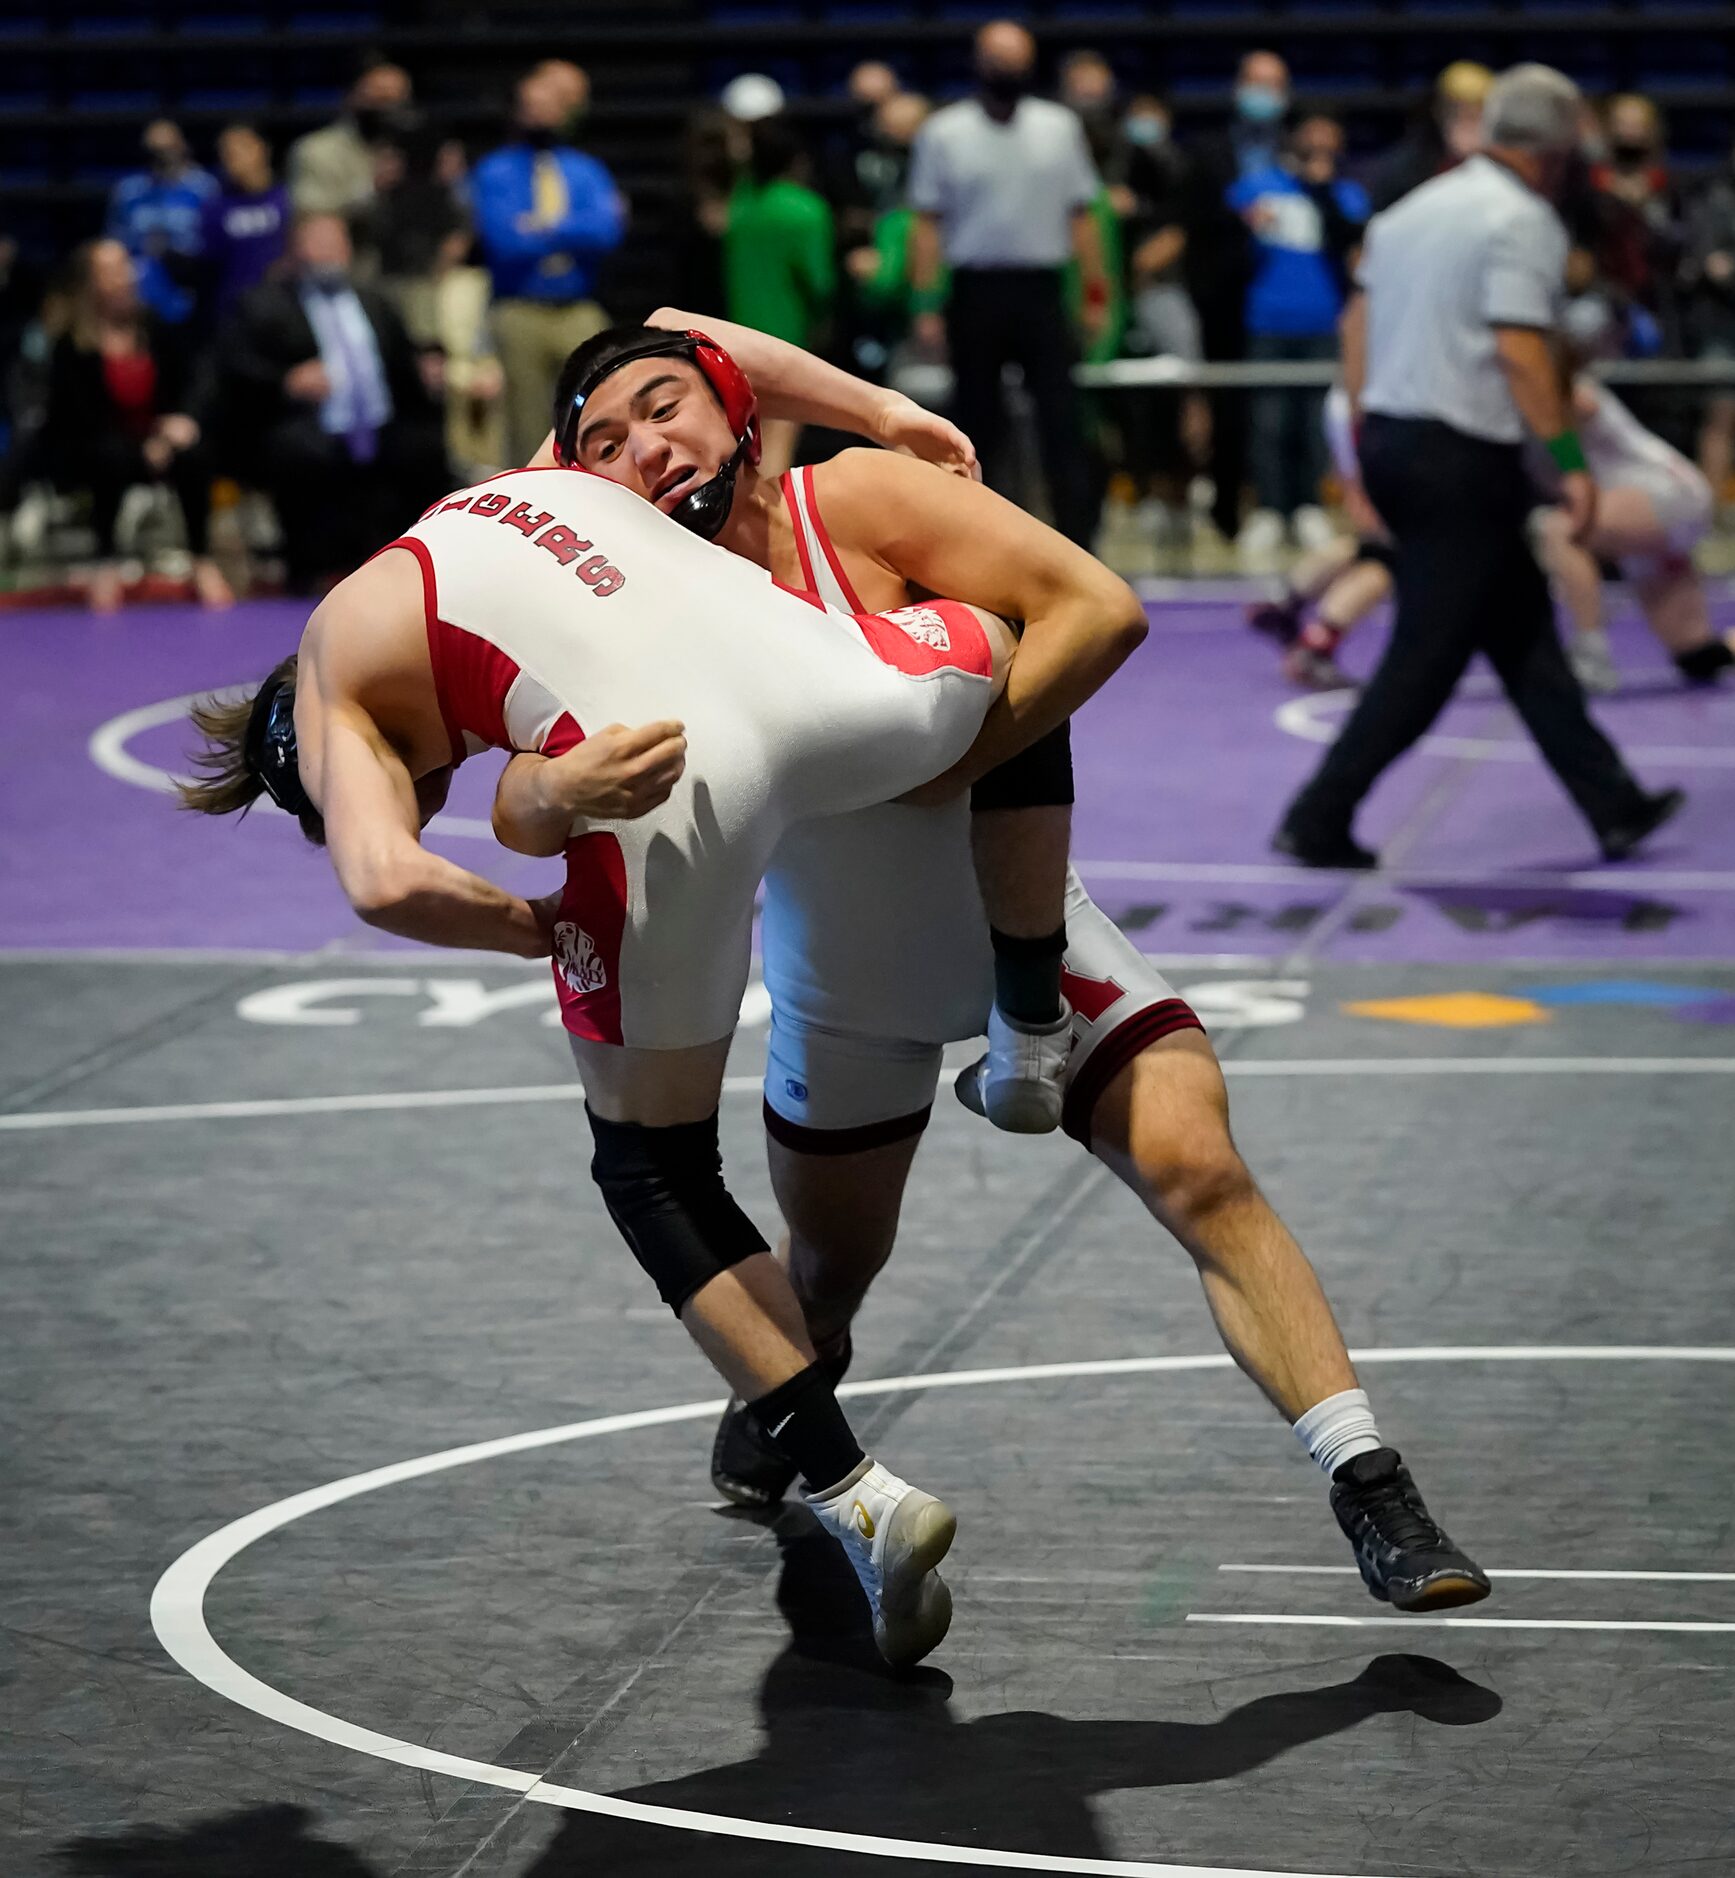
x: 546, y: 911
x: 618, y: 774
x: 914, y: 430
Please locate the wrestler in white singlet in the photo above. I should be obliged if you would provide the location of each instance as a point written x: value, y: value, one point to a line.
x: 558, y: 602
x: 875, y: 952
x: 1622, y: 454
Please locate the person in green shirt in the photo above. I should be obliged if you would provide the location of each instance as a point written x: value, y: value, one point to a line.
x: 779, y: 258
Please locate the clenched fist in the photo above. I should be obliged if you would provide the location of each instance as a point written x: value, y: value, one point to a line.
x: 618, y: 774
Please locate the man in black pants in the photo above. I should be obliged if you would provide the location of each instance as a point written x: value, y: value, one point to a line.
x: 1448, y: 352
x: 1002, y: 185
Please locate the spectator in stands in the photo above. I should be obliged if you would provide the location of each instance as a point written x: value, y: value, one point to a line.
x: 1639, y: 245
x: 124, y: 409
x: 857, y: 171
x: 870, y: 84
x: 1148, y: 179
x: 1709, y: 279
x: 157, y: 215
x: 1003, y: 184
x: 1305, y: 219
x: 416, y: 226
x: 325, y: 384
x: 546, y: 215
x: 1219, y: 252
x: 1087, y: 89
x: 779, y: 259
x: 882, y: 303
x: 246, y: 223
x: 331, y: 171
x: 1449, y: 130
x: 571, y: 84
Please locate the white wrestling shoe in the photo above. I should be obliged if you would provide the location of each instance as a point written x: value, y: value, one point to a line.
x: 1593, y: 664
x: 895, y: 1536
x: 1017, y: 1085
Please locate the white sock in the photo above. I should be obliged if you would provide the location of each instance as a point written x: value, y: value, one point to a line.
x: 1338, y: 1429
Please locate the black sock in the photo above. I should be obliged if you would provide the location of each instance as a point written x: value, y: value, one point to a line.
x: 1027, y: 975
x: 1703, y: 663
x: 802, y: 1417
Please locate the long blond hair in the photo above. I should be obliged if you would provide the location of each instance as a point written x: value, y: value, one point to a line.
x: 225, y: 782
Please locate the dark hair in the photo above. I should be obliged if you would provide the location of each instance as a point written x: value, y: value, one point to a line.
x: 595, y: 359
x: 773, y: 149
x: 226, y: 783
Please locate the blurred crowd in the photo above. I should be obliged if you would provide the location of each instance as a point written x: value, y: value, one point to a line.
x: 323, y: 338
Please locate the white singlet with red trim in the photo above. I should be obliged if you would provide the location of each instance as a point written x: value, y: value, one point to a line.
x: 559, y: 603
x: 1622, y: 454
x: 874, y: 949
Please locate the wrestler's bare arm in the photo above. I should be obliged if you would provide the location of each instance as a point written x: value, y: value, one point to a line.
x: 616, y: 775
x: 351, y: 673
x: 959, y: 539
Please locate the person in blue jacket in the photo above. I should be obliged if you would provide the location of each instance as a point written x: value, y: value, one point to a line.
x: 546, y: 214
x: 1305, y: 220
x: 157, y: 214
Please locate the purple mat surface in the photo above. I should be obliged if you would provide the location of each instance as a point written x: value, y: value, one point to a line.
x: 1184, y: 765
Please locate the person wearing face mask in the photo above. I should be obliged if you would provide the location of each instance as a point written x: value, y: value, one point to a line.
x: 1002, y: 184
x: 158, y: 216
x: 1638, y: 235
x: 331, y: 171
x: 546, y: 215
x: 330, y: 408
x: 1219, y: 258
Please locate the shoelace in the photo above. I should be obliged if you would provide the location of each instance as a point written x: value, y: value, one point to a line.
x: 1399, y: 1516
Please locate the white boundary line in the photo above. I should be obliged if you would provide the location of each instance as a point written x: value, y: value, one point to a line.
x: 1271, y: 874
x: 178, y: 1608
x: 1349, y: 1571
x: 32, y: 1121
x: 1315, y: 719
x: 1455, y: 1623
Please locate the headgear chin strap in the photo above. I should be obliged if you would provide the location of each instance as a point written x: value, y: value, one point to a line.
x: 705, y: 509
x: 270, y: 750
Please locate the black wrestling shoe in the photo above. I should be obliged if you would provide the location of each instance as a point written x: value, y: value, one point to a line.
x: 1324, y: 851
x: 1405, y: 1558
x: 747, y: 1466
x: 1618, y: 842
x: 1276, y: 619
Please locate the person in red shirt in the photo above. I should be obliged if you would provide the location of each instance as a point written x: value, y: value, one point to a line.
x: 121, y: 404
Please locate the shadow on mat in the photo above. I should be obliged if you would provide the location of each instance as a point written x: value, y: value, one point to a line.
x: 849, y: 1748
x: 260, y: 1842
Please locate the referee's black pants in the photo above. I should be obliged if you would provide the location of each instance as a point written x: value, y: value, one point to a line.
x: 1000, y: 316
x: 1467, y: 582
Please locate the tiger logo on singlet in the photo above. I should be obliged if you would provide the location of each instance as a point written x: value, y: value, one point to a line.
x: 924, y: 624
x: 576, y: 959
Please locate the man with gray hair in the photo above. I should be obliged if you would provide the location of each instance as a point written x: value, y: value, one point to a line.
x: 1448, y: 355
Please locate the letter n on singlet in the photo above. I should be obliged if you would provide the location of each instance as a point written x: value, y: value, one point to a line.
x: 588, y: 930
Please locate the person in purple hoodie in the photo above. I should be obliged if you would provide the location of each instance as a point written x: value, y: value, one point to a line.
x: 247, y: 224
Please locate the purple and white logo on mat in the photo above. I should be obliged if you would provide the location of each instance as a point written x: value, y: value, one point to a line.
x: 575, y: 957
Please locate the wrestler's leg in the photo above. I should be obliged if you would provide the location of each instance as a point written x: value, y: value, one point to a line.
x: 1162, y: 1126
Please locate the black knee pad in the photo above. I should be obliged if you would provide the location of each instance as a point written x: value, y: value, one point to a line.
x: 663, y: 1188
x: 1037, y: 778
x: 1381, y: 553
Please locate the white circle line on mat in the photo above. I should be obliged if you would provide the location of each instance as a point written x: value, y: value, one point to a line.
x: 178, y: 1604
